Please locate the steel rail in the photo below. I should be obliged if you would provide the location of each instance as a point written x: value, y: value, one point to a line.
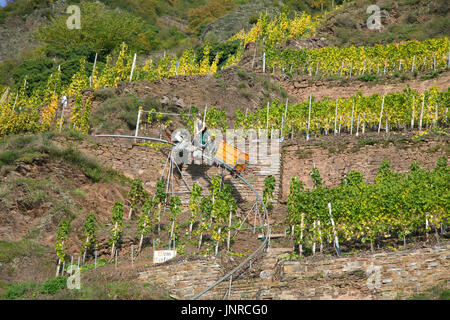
x: 246, y: 261
x: 258, y: 198
x: 132, y: 137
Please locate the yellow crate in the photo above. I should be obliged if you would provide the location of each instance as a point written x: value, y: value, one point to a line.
x: 232, y: 156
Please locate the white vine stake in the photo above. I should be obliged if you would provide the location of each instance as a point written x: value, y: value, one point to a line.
x: 93, y: 70
x: 364, y: 123
x: 335, y: 117
x: 58, y: 267
x: 132, y: 254
x: 421, y: 112
x: 137, y: 123
x: 381, y: 115
x: 309, y: 116
x: 264, y: 62
x: 412, y: 116
x: 132, y: 67
x: 357, y: 126
x: 320, y: 236
x: 448, y: 59
x: 314, y: 243
x: 336, y: 240
x: 229, y: 233
x: 351, y: 125
x: 300, y: 246
x: 284, y: 117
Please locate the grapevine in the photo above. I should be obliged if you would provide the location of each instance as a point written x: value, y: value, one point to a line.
x: 117, y: 223
x: 90, y: 229
x: 396, y: 204
x: 61, y: 236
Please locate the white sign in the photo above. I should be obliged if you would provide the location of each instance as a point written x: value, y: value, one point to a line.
x: 163, y: 255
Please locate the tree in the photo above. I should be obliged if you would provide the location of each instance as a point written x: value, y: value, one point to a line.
x: 102, y: 29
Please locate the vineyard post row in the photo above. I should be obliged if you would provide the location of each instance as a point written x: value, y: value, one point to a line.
x: 395, y: 110
x: 395, y: 205
x: 356, y: 62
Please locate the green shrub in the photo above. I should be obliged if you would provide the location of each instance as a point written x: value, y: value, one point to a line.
x: 283, y: 92
x: 253, y: 19
x: 242, y: 85
x: 367, y: 77
x: 53, y: 285
x: 18, y: 290
x: 103, y: 94
x: 8, y: 157
x: 444, y: 295
x: 95, y: 174
x: 111, y: 28
x: 242, y: 74
x: 36, y: 71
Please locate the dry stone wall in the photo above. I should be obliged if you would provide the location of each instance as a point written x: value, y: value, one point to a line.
x: 377, y: 276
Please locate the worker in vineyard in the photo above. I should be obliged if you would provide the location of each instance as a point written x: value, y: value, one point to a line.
x: 200, y: 132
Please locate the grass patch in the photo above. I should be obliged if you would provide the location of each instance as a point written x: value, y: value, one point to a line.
x: 435, y: 293
x: 431, y: 76
x: 242, y: 85
x: 303, y: 154
x: 11, y: 250
x: 283, y: 92
x: 242, y: 74
x: 18, y: 290
x: 115, y: 110
x: 246, y: 94
x: 368, y: 142
x: 368, y: 77
x: 79, y: 192
x: 104, y: 94
x: 31, y: 289
x: 434, y: 149
x: 31, y: 147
